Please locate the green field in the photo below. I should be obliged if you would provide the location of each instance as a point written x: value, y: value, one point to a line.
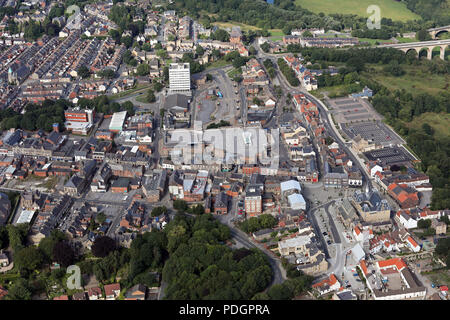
x: 394, y: 10
x: 246, y: 27
x: 438, y: 121
x: 441, y: 277
x: 414, y: 81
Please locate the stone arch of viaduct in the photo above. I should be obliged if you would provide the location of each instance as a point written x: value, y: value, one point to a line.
x: 429, y: 50
x: 436, y: 31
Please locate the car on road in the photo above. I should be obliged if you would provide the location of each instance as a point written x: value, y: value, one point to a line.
x: 324, y: 233
x: 329, y: 241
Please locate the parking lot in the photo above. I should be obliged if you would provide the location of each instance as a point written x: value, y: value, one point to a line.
x: 376, y: 132
x: 110, y: 196
x: 217, y: 101
x: 350, y: 110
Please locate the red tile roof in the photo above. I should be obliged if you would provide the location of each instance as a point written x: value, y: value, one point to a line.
x: 109, y: 288
x: 331, y: 280
x: 364, y: 267
x: 411, y: 240
x: 398, y: 262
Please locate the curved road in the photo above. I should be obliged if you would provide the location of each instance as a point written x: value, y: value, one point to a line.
x: 322, y: 111
x: 275, y: 264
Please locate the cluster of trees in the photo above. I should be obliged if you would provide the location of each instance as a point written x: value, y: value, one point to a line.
x: 344, y: 77
x: 147, y: 253
x: 56, y: 248
x: 236, y: 59
x: 431, y: 10
x: 423, y: 35
x: 150, y: 96
x: 355, y: 58
x: 256, y: 13
x: 31, y: 258
x: 288, y: 15
x: 399, y: 108
x: 221, y: 35
x: 382, y: 33
x: 157, y: 211
x: 36, y: 117
x: 221, y: 123
x: 298, y: 283
x: 200, y: 267
x: 195, y: 66
x: 394, y: 69
x: 266, y: 47
x: 270, y: 67
x: 49, y: 112
x: 129, y: 59
x: 106, y: 73
x: 443, y: 250
x: 103, y: 104
x: 107, y: 267
x: 426, y: 225
x: 288, y: 72
x: 264, y: 221
x: 123, y: 16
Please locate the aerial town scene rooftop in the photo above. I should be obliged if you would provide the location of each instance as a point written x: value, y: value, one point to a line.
x: 170, y: 154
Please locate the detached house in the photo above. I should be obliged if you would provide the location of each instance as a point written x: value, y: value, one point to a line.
x: 112, y: 291
x: 327, y: 285
x: 137, y: 292
x: 95, y: 293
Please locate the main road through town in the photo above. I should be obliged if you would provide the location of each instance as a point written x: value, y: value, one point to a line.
x: 329, y: 126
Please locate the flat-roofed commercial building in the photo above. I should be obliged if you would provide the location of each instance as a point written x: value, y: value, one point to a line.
x: 117, y: 121
x: 179, y: 78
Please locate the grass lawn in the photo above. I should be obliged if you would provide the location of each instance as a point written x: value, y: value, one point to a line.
x: 245, y: 27
x: 394, y: 10
x: 234, y: 72
x: 414, y: 81
x: 143, y: 98
x: 331, y: 92
x: 230, y: 24
x: 440, y: 277
x: 138, y: 87
x: 218, y: 64
x: 50, y: 183
x: 374, y: 41
x: 405, y: 40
